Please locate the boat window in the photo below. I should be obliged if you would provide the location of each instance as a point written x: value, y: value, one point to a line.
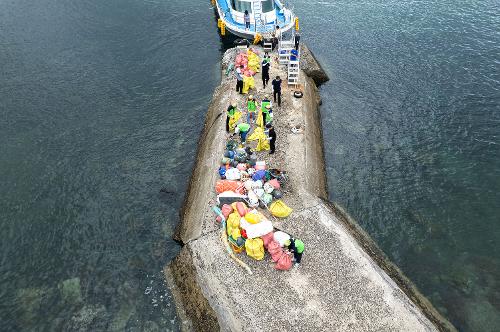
x: 241, y: 6
x: 267, y: 6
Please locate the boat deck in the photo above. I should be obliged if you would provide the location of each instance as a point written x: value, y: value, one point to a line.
x: 269, y: 27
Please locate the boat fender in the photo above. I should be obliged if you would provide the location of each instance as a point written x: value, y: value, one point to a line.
x: 298, y: 94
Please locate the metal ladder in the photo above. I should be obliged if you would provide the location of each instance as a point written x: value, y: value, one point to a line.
x: 284, y: 49
x: 293, y: 64
x: 293, y: 72
x: 257, y: 16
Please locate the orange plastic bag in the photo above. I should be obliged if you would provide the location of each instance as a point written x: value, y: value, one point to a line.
x: 229, y: 185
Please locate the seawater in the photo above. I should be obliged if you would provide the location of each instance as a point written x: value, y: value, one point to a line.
x: 102, y: 103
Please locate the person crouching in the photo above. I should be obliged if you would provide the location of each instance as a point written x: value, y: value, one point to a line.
x: 243, y: 129
x: 295, y: 246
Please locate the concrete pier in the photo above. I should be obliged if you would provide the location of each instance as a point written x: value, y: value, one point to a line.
x: 340, y: 285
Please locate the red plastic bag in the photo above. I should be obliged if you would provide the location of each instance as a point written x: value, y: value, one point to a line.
x: 273, y: 247
x: 275, y: 183
x: 284, y: 263
x: 277, y: 255
x: 226, y: 210
x: 242, y: 209
x: 267, y: 238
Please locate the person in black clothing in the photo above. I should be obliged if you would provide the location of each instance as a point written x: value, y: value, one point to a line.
x: 297, y: 40
x: 272, y: 136
x: 230, y: 113
x: 277, y: 89
x: 266, y: 63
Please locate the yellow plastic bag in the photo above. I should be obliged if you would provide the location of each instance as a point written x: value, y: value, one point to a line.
x: 255, y: 248
x: 260, y: 120
x: 259, y: 135
x: 248, y: 83
x: 233, y: 221
x: 233, y: 120
x: 253, y: 218
x: 253, y: 61
x: 236, y: 233
x: 280, y: 209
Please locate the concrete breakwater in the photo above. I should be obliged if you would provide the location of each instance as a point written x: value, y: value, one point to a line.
x: 344, y: 282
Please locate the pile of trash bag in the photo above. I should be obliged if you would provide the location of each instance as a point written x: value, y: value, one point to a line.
x: 250, y: 62
x: 246, y: 185
x: 250, y: 231
x: 241, y: 173
x: 251, y: 65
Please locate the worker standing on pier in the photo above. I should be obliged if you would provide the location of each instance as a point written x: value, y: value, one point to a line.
x: 239, y: 80
x: 231, y: 111
x: 277, y: 89
x: 266, y: 64
x: 272, y: 138
x: 251, y: 109
x: 297, y: 40
x: 268, y: 114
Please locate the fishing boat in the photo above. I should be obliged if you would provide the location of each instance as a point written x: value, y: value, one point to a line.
x: 265, y: 17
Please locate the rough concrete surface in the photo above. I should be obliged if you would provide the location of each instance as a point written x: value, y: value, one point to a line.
x: 338, y: 286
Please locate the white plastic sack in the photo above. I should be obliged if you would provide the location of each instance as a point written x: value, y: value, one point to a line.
x: 281, y: 237
x: 257, y: 184
x: 268, y: 188
x: 233, y: 174
x: 253, y: 200
x: 259, y: 192
x: 248, y: 185
x: 256, y: 230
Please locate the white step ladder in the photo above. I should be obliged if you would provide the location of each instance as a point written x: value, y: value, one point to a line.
x: 284, y: 49
x: 293, y: 72
x: 293, y: 64
x: 268, y: 44
x: 257, y: 15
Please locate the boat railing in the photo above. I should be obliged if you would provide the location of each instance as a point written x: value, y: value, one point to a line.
x: 231, y: 15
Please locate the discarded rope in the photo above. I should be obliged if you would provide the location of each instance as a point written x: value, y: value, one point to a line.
x: 223, y: 236
x: 230, y: 252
